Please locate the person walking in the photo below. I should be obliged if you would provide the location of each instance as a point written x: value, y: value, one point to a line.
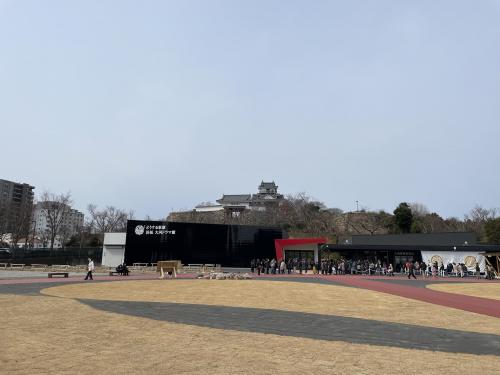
x: 478, y: 271
x: 282, y: 267
x: 390, y: 270
x: 90, y: 269
x: 411, y: 270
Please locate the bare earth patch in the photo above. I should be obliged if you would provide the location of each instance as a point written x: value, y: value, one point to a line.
x: 42, y: 335
x: 289, y: 296
x: 483, y: 290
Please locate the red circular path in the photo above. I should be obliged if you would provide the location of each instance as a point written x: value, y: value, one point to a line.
x: 479, y: 305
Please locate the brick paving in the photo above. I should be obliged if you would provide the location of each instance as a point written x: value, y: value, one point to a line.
x: 307, y: 325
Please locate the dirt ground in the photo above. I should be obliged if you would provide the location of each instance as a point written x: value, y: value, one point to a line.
x: 59, y: 335
x: 290, y: 296
x: 491, y: 291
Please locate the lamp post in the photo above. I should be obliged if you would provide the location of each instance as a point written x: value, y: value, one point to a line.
x: 357, y: 206
x: 34, y: 233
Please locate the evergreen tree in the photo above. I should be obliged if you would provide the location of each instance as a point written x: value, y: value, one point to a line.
x: 403, y: 217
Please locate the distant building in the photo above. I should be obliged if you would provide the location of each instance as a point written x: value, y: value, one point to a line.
x: 208, y: 207
x: 71, y: 220
x: 16, y: 207
x: 235, y: 204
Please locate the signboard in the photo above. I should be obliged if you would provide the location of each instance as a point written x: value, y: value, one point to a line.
x: 195, y: 243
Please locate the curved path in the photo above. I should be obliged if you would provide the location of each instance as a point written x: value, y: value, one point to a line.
x: 413, y: 289
x: 308, y: 325
x: 405, y: 289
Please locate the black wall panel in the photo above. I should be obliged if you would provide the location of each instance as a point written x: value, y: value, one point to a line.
x: 228, y: 245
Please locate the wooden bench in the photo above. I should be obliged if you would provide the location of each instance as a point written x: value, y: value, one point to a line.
x: 65, y: 274
x: 17, y: 265
x: 4, y: 265
x: 167, y: 266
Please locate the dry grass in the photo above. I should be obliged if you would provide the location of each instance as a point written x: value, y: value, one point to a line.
x: 484, y: 290
x: 291, y: 296
x: 42, y: 335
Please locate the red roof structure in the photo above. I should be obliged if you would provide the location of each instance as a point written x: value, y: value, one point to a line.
x: 280, y: 244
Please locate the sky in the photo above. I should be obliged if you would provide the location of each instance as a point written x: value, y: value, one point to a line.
x: 157, y: 106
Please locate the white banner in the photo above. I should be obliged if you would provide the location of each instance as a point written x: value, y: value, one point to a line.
x: 467, y: 257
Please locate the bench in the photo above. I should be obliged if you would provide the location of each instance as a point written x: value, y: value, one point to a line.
x: 167, y: 266
x: 40, y: 266
x: 17, y: 265
x: 140, y: 264
x: 60, y: 266
x: 191, y: 268
x: 115, y: 273
x: 65, y: 274
x: 4, y: 265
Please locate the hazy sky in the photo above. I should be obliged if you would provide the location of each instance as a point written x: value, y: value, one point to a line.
x: 160, y: 105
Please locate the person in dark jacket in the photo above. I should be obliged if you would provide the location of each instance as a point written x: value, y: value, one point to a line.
x: 411, y: 270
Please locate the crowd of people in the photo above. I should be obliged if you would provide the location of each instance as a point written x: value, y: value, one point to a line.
x: 435, y: 269
x: 325, y: 267
x: 366, y: 267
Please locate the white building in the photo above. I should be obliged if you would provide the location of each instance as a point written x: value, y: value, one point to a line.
x: 71, y: 220
x: 267, y: 195
x: 113, y: 249
x: 209, y: 208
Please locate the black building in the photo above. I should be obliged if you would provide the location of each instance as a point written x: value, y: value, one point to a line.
x: 228, y: 245
x: 399, y: 248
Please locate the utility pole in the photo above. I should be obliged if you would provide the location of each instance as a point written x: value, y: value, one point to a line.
x: 357, y: 206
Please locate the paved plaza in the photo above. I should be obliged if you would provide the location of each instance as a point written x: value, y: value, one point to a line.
x: 271, y: 324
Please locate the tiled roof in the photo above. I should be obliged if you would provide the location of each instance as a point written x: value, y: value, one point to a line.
x: 267, y: 185
x: 235, y: 198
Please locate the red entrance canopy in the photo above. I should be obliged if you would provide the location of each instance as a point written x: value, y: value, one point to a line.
x: 280, y: 244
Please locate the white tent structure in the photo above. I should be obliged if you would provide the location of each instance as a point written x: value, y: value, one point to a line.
x: 469, y: 258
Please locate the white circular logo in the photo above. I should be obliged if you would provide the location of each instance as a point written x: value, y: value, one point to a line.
x: 139, y: 230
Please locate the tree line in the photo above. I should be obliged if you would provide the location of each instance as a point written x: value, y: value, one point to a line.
x: 55, y: 209
x: 302, y: 214
x: 298, y: 214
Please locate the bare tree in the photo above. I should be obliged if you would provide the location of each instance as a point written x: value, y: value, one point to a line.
x: 455, y: 225
x: 480, y: 215
x: 109, y: 219
x: 4, y: 232
x: 476, y: 219
x: 21, y: 227
x: 375, y: 222
x: 419, y: 209
x: 433, y: 223
x: 131, y: 215
x: 54, y: 208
